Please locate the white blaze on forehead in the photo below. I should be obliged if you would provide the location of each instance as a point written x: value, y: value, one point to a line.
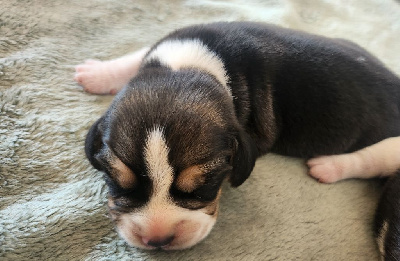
x: 159, y: 169
x: 188, y: 53
x: 161, y: 217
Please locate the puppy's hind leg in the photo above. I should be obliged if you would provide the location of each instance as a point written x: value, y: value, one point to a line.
x: 380, y: 159
x: 108, y: 77
x: 387, y: 220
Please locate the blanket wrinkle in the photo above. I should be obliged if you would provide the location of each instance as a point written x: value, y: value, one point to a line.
x: 53, y: 203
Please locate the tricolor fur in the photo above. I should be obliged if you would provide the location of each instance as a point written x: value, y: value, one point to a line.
x: 205, y: 101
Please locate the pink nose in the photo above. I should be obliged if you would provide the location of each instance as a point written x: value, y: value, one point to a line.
x: 158, y: 241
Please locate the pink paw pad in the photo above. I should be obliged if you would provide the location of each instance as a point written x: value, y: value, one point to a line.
x: 96, y: 77
x: 326, y: 169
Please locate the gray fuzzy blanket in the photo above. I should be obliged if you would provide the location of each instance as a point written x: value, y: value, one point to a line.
x: 52, y: 202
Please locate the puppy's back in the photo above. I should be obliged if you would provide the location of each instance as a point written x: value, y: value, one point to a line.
x: 327, y: 93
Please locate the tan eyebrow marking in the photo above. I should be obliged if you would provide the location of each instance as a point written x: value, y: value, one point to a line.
x: 123, y: 175
x: 190, y: 178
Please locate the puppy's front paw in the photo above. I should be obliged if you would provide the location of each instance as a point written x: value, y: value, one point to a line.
x: 326, y: 169
x: 97, y: 77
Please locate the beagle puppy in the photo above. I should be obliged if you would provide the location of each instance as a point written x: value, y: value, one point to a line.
x: 204, y: 102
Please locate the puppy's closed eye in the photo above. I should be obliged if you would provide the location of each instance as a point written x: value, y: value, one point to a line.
x: 210, y: 206
x: 122, y: 204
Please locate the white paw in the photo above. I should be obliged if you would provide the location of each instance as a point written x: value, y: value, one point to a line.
x: 97, y: 77
x: 327, y: 169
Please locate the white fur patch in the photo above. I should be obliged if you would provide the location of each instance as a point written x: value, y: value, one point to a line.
x: 159, y: 169
x: 179, y: 54
x: 160, y: 217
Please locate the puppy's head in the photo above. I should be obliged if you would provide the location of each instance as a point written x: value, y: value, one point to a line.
x: 165, y: 145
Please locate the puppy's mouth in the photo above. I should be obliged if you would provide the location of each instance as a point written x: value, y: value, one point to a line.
x: 162, y: 224
x: 184, y: 237
x: 166, y: 229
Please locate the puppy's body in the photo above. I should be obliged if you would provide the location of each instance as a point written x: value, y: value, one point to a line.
x: 284, y: 82
x: 208, y: 99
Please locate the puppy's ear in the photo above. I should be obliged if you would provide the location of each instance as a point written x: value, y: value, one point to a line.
x: 94, y: 143
x: 244, y: 157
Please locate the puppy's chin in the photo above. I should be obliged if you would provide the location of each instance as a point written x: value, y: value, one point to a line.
x: 182, y: 228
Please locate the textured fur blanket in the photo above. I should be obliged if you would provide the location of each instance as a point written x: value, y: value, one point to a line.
x: 52, y: 202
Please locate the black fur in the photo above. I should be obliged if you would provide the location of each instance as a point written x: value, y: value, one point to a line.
x: 181, y: 103
x: 94, y: 143
x: 389, y: 211
x: 293, y: 93
x: 329, y: 95
x: 245, y: 154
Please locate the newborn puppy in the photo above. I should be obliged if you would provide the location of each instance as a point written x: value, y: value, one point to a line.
x: 205, y: 101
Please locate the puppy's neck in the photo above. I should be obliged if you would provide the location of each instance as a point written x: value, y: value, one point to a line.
x: 189, y: 53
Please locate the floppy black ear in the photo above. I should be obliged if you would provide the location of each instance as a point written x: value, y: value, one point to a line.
x: 94, y: 143
x: 244, y: 157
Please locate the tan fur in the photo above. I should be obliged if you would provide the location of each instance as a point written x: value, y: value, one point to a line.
x: 123, y: 175
x: 190, y: 178
x: 212, y: 208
